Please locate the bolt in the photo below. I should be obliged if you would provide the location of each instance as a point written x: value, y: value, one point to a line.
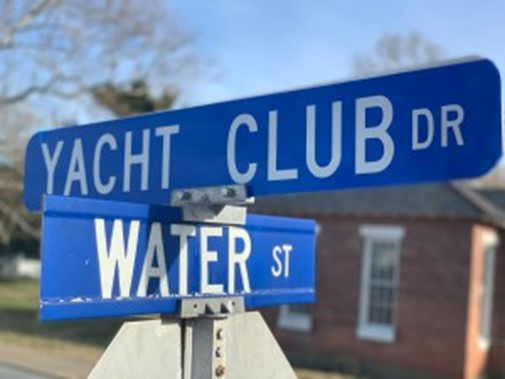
x: 226, y: 307
x: 184, y: 195
x: 220, y: 334
x: 229, y: 192
x: 220, y: 370
x: 219, y: 352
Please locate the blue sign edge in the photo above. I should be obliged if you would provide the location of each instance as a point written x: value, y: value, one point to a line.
x: 472, y: 59
x: 58, y: 309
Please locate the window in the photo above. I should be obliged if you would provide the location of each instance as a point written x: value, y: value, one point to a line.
x: 295, y: 317
x: 379, y: 282
x: 487, y: 289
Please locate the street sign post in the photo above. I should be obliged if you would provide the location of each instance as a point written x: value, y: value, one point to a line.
x: 431, y: 124
x: 104, y: 259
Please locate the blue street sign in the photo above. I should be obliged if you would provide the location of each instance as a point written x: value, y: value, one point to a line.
x: 102, y: 258
x: 431, y: 124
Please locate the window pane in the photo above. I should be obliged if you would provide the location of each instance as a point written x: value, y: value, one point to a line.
x: 388, y: 316
x: 381, y: 304
x: 373, y: 315
x: 379, y: 281
x: 383, y: 260
x: 382, y: 284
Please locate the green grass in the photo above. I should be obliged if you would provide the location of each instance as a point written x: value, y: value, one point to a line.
x: 19, y: 304
x: 18, y: 295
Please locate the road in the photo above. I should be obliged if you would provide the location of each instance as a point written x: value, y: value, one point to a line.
x: 12, y: 373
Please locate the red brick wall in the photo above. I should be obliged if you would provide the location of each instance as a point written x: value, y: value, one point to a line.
x: 432, y: 303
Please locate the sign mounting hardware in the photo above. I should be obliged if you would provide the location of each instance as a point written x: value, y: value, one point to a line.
x: 218, y: 205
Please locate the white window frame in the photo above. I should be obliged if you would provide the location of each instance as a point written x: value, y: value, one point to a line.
x: 293, y: 320
x: 370, y: 234
x: 490, y: 244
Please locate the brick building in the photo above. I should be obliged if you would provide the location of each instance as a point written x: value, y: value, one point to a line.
x: 410, y: 282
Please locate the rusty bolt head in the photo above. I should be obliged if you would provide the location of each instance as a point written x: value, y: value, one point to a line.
x: 220, y: 370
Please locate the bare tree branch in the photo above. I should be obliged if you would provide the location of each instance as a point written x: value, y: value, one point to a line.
x: 49, y: 87
x: 60, y: 52
x: 14, y: 216
x: 11, y: 186
x: 25, y: 21
x: 397, y: 51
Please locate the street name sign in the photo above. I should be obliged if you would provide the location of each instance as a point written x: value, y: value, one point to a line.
x: 103, y: 258
x: 430, y: 124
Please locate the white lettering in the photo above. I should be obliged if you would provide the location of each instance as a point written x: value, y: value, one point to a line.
x: 207, y: 256
x: 101, y: 187
x: 51, y: 163
x: 336, y: 141
x: 76, y: 169
x: 116, y: 255
x: 378, y: 132
x: 430, y: 128
x: 273, y: 172
x: 141, y: 158
x: 154, y: 248
x: 287, y: 250
x: 277, y: 271
x: 166, y: 133
x: 184, y: 232
x: 231, y: 149
x: 279, y: 267
x: 454, y: 124
x: 239, y: 259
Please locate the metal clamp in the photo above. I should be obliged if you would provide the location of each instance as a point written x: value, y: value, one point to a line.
x: 214, y: 307
x: 223, y: 195
x: 216, y: 205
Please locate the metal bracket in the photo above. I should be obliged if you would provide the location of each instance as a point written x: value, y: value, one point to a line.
x: 215, y: 214
x: 223, y: 195
x: 213, y: 307
x: 206, y: 317
x: 217, y: 205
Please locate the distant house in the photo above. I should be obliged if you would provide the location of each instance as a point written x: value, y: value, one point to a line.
x: 16, y: 266
x: 410, y: 282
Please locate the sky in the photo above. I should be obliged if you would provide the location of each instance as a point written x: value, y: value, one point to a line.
x: 258, y: 47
